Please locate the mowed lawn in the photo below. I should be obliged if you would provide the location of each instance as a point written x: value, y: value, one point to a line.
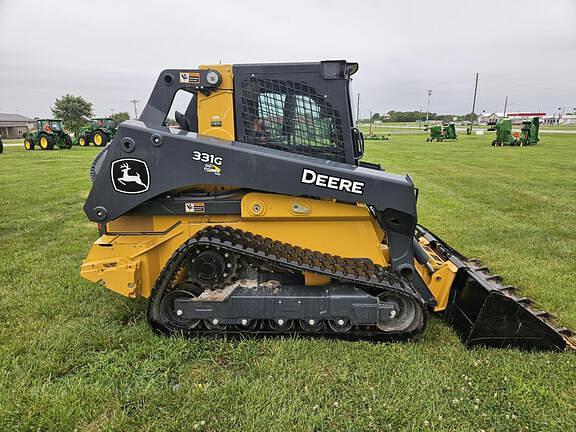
x: 75, y: 356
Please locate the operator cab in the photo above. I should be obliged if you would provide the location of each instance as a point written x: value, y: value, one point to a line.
x: 49, y: 124
x: 300, y: 108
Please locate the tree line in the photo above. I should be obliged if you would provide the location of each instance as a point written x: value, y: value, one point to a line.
x: 414, y: 116
x: 75, y: 112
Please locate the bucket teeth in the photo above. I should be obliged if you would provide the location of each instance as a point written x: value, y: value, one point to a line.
x: 512, y: 292
x: 481, y: 268
x: 524, y: 301
x: 494, y: 278
x: 565, y: 331
x: 543, y: 314
x: 509, y: 290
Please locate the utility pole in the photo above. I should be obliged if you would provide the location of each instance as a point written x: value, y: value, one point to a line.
x: 358, y: 111
x: 428, y: 106
x: 370, y: 131
x: 505, y: 105
x: 420, y: 118
x: 469, y: 132
x: 134, y: 101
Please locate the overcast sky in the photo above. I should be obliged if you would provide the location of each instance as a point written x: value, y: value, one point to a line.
x: 111, y: 51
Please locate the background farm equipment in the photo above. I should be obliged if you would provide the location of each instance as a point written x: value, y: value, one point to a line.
x: 47, y: 134
x: 99, y: 132
x: 375, y: 137
x: 435, y: 134
x: 442, y: 133
x: 449, y: 132
x: 530, y: 132
x: 505, y: 137
x: 503, y: 128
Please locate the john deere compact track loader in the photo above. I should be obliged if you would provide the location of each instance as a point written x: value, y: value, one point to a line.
x: 258, y: 216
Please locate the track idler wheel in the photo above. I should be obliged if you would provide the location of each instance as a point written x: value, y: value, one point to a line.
x: 171, y: 316
x: 406, y: 316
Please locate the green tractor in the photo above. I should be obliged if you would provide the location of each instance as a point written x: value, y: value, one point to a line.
x: 47, y: 134
x: 505, y: 137
x: 99, y: 132
x: 442, y: 133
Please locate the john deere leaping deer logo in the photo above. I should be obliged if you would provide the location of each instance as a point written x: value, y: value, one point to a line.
x: 130, y: 176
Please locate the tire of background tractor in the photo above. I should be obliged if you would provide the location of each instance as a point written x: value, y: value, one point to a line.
x: 28, y: 145
x: 99, y: 139
x: 82, y: 141
x: 67, y: 142
x: 46, y: 142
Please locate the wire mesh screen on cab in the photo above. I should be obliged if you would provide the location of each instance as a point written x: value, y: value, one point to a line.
x: 291, y: 116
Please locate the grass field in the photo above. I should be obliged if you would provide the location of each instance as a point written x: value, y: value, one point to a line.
x: 74, y: 356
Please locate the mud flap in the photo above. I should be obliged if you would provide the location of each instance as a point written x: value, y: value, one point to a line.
x: 485, y: 312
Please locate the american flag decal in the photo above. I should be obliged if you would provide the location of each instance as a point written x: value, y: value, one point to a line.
x: 195, y: 207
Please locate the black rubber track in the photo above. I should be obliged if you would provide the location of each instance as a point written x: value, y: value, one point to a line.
x: 373, y: 278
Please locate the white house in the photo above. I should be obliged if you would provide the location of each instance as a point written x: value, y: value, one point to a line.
x: 516, y: 117
x: 568, y: 119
